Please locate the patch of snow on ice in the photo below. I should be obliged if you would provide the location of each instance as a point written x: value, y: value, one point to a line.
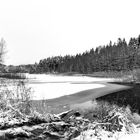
x: 54, y: 90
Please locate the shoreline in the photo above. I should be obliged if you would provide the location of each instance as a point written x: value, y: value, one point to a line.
x: 63, y: 103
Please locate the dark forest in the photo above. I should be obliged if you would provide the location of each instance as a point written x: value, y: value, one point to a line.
x: 118, y: 56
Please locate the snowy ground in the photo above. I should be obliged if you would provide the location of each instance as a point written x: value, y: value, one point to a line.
x: 135, y: 136
x: 52, y: 86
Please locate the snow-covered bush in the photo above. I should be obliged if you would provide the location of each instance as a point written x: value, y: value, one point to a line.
x: 111, y: 116
x: 108, y: 120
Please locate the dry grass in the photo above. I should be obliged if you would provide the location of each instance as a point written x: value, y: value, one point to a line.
x: 19, y: 97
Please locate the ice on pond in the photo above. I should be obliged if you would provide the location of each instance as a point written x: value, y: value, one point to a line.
x: 52, y: 86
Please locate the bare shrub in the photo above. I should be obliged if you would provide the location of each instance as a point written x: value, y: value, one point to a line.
x: 15, y: 95
x: 2, y: 50
x: 23, y: 97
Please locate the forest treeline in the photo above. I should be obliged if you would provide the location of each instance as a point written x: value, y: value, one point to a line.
x: 119, y: 56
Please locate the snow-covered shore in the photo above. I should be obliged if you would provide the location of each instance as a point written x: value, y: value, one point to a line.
x: 53, y: 86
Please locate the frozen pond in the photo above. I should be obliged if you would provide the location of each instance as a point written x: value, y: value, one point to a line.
x: 52, y: 86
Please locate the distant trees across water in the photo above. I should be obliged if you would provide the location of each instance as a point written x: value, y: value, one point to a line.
x: 119, y: 56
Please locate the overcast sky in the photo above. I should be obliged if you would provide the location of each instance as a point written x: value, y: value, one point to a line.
x: 37, y: 29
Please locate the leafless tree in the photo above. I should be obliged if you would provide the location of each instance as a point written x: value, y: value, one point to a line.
x: 2, y: 50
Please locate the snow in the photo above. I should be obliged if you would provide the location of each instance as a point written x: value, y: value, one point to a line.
x: 52, y: 90
x: 134, y: 136
x: 59, y: 78
x: 53, y: 86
